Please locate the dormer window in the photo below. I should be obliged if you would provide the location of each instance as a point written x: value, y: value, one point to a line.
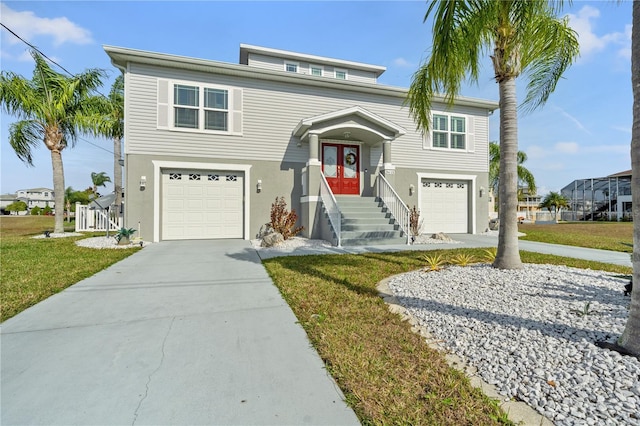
x: 316, y: 70
x: 341, y: 74
x: 291, y: 67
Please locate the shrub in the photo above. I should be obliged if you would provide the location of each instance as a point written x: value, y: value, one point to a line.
x: 463, y: 259
x: 435, y: 262
x: 284, y: 221
x: 414, y: 221
x: 36, y: 211
x: 47, y: 210
x: 490, y: 255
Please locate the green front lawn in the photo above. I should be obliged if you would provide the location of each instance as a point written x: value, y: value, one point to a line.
x: 388, y: 374
x: 616, y: 236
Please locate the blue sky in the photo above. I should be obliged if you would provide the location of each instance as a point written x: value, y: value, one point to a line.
x: 583, y: 131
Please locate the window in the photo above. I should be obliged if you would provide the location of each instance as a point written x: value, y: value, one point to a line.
x: 316, y: 70
x: 341, y: 74
x: 449, y: 132
x: 197, y: 107
x: 290, y: 67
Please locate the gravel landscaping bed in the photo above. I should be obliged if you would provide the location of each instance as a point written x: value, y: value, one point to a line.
x: 532, y: 334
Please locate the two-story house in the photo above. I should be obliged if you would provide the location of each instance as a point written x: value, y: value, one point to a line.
x: 210, y: 145
x: 37, y: 197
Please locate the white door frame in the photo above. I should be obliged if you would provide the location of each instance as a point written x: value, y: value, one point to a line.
x: 157, y: 184
x: 449, y: 176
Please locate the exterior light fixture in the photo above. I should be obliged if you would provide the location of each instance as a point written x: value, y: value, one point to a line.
x: 411, y: 189
x: 481, y: 191
x: 259, y: 185
x: 143, y: 183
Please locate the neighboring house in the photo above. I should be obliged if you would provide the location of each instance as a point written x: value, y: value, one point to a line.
x: 604, y: 198
x: 528, y: 204
x: 5, y: 200
x: 36, y: 197
x: 210, y: 145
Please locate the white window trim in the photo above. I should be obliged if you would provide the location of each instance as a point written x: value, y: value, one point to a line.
x: 337, y: 70
x: 297, y: 65
x: 158, y: 166
x: 311, y: 66
x: 427, y: 140
x: 201, y: 108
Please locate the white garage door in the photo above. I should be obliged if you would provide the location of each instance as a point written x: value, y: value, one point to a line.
x: 199, y: 204
x: 444, y: 206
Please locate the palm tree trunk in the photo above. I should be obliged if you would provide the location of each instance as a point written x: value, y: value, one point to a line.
x: 630, y: 338
x: 58, y: 190
x: 508, y: 255
x: 117, y: 171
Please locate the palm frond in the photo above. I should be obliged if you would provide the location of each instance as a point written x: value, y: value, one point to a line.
x: 23, y: 136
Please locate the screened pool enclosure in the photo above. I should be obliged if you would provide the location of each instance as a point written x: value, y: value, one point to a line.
x: 605, y: 198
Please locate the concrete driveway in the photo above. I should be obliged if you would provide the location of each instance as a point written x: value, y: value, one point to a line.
x: 186, y: 332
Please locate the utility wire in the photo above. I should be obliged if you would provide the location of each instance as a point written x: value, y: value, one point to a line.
x: 58, y: 65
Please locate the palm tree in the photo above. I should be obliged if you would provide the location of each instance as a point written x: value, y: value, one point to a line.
x: 522, y: 37
x: 99, y: 179
x: 110, y: 124
x: 525, y: 177
x: 555, y: 201
x: 51, y: 108
x: 630, y: 339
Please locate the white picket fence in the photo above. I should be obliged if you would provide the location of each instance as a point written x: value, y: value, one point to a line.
x: 96, y: 219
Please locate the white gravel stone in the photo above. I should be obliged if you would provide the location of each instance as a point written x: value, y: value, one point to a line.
x: 532, y: 333
x: 108, y: 243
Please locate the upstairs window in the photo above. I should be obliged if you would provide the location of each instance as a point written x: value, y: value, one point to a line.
x: 449, y: 132
x: 204, y: 108
x: 316, y: 70
x: 340, y: 74
x: 291, y: 67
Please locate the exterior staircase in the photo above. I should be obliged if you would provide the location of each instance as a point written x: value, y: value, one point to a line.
x: 365, y: 221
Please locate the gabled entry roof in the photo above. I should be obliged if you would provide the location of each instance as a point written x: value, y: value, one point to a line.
x: 354, y: 120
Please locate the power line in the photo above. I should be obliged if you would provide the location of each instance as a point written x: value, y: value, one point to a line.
x: 61, y: 67
x: 36, y: 49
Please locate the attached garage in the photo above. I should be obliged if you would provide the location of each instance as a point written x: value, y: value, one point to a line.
x: 444, y: 205
x: 202, y: 204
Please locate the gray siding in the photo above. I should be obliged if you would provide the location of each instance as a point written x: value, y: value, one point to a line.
x: 271, y: 110
x: 275, y: 63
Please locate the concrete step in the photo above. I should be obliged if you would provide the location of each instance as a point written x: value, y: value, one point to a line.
x: 373, y: 241
x: 358, y: 226
x: 373, y: 220
x: 371, y: 234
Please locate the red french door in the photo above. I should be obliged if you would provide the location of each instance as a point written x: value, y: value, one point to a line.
x: 341, y: 167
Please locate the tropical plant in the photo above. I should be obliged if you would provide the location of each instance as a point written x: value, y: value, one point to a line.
x: 489, y: 255
x: 99, y: 179
x: 51, y: 108
x: 630, y: 339
x: 554, y: 202
x: 525, y: 177
x: 463, y: 259
x: 109, y: 123
x: 35, y: 211
x: 124, y: 234
x: 435, y: 262
x: 522, y: 37
x: 283, y: 220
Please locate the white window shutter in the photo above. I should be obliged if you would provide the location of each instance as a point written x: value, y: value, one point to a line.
x: 471, y: 137
x: 426, y: 138
x: 236, y: 105
x: 163, y: 104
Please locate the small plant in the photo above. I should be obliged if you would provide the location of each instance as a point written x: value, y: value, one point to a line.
x: 435, y: 262
x: 490, y: 255
x: 584, y: 311
x: 414, y: 221
x: 284, y: 221
x: 123, y: 235
x: 463, y: 259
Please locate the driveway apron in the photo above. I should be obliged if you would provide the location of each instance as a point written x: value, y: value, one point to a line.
x: 185, y: 332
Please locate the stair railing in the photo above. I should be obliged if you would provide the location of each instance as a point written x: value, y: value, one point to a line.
x: 399, y: 211
x: 331, y: 207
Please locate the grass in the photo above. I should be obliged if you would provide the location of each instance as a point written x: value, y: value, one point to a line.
x: 616, y: 236
x: 387, y: 373
x: 34, y: 269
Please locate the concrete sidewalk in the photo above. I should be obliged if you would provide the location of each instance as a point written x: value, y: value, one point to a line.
x: 464, y: 241
x: 187, y: 332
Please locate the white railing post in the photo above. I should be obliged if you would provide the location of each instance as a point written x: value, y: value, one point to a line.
x: 394, y: 204
x: 331, y: 206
